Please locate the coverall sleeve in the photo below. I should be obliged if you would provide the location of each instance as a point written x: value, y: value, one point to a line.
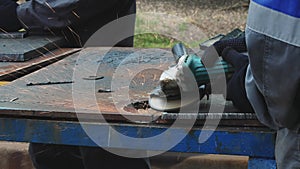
x: 43, y: 14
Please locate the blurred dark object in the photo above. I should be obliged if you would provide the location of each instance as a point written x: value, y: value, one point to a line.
x: 236, y: 91
x: 9, y: 21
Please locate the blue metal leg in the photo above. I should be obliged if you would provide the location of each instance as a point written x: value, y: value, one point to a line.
x: 261, y: 163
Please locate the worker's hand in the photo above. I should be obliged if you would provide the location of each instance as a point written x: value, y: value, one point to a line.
x: 236, y: 91
x: 236, y: 59
x: 212, y: 53
x: 9, y: 21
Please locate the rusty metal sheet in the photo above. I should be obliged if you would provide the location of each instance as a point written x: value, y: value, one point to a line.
x: 56, y: 101
x: 129, y: 75
x: 12, y: 70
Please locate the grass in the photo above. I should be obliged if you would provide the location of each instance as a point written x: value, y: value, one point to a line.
x: 157, y: 40
x: 153, y: 41
x: 150, y: 40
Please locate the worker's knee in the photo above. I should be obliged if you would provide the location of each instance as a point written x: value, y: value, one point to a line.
x: 289, y: 120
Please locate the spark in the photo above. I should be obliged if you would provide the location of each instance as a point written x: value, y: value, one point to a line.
x: 2, y: 30
x: 49, y: 51
x: 143, y: 76
x: 51, y: 31
x: 129, y: 72
x: 26, y: 27
x: 37, y: 50
x: 76, y: 14
x: 50, y: 7
x: 58, y: 47
x: 74, y: 33
x: 133, y: 81
x: 63, y: 33
x: 154, y: 77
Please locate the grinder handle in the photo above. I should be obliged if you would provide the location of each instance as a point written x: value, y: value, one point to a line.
x: 178, y: 51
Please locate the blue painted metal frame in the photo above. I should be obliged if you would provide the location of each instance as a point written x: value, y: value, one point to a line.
x: 258, y: 145
x: 254, y: 144
x: 261, y: 163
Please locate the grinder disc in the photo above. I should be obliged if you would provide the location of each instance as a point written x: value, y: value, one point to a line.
x: 159, y: 103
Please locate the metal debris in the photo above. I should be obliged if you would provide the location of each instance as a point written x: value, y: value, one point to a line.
x: 48, y: 83
x: 9, y: 100
x: 140, y: 105
x: 93, y: 78
x: 14, y: 99
x: 104, y: 91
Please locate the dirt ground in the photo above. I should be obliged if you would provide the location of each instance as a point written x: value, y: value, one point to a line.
x: 191, y: 20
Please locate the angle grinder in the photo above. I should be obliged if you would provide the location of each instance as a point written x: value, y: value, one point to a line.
x: 168, y: 95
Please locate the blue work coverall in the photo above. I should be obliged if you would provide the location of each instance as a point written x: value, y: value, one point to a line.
x: 273, y: 75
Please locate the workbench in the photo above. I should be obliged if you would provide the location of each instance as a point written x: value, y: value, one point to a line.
x: 58, y: 103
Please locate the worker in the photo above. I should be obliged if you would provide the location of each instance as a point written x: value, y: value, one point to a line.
x: 76, y: 21
x: 268, y: 81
